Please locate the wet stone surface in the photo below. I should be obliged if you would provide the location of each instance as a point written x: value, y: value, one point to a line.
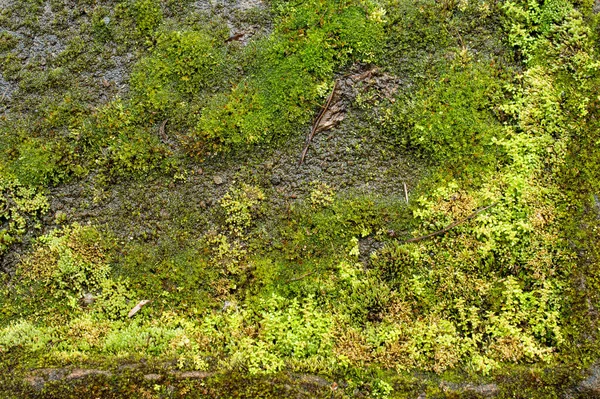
x: 6, y: 91
x: 243, y: 17
x: 352, y: 159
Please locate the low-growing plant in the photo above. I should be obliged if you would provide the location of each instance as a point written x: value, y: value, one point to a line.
x: 67, y: 264
x: 37, y: 163
x: 141, y: 17
x: 310, y: 41
x: 7, y: 42
x: 454, y: 119
x: 183, y: 65
x: 241, y: 206
x: 122, y: 146
x: 500, y: 269
x: 22, y: 208
x: 321, y: 195
x: 23, y: 335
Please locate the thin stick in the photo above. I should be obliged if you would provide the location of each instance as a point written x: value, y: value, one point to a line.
x: 300, y: 277
x: 405, y: 192
x: 460, y: 38
x: 317, y: 123
x: 161, y: 130
x: 4, y: 95
x: 137, y: 307
x: 237, y: 36
x: 451, y: 226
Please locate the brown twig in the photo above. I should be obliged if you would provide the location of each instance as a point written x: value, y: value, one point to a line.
x: 362, y: 76
x: 451, y: 226
x: 161, y: 130
x: 300, y: 277
x: 4, y: 95
x: 317, y: 123
x: 405, y: 192
x: 460, y: 39
x: 236, y: 37
x: 138, y: 307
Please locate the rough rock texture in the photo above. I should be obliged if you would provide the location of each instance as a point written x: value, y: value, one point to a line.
x: 479, y: 390
x: 589, y: 387
x: 239, y: 16
x: 350, y: 158
x: 7, y: 89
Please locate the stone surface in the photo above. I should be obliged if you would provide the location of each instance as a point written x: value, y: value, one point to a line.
x: 183, y: 375
x: 218, y: 180
x: 590, y: 385
x: 481, y: 390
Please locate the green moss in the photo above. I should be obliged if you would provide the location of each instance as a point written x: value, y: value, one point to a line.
x: 256, y: 288
x: 241, y: 206
x: 292, y: 70
x: 22, y: 208
x: 182, y: 65
x: 7, y: 42
x: 453, y: 118
x: 148, y: 16
x: 37, y: 163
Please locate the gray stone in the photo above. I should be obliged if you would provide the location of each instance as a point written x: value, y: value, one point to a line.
x: 483, y: 390
x: 191, y: 375
x: 590, y: 385
x: 275, y: 180
x: 218, y: 180
x: 88, y: 299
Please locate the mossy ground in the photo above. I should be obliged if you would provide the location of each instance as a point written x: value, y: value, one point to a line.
x: 149, y: 151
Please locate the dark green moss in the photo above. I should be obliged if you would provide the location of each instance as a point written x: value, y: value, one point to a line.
x: 248, y: 274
